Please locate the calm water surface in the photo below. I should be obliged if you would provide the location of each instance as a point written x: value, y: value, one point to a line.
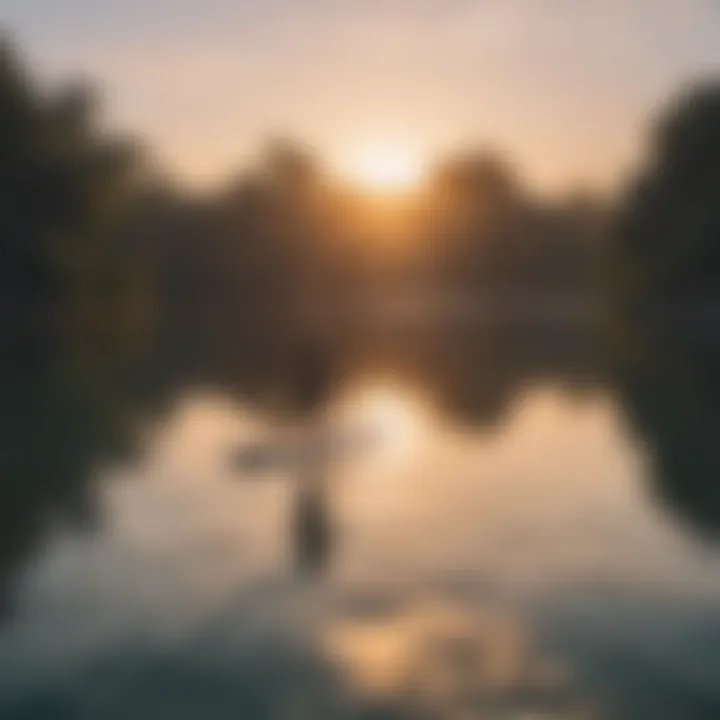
x: 542, y: 565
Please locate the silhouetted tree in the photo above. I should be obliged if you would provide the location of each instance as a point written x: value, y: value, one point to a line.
x: 63, y: 188
x: 489, y: 235
x: 667, y: 248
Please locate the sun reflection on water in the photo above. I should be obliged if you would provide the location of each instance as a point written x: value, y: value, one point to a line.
x: 390, y: 415
x: 440, y: 659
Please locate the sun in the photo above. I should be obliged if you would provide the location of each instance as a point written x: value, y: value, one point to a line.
x: 388, y: 168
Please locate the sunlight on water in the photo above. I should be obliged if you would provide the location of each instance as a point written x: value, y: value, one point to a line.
x: 443, y: 657
x: 458, y: 555
x: 393, y: 420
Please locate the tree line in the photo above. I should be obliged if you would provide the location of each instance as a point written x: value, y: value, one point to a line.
x: 91, y: 232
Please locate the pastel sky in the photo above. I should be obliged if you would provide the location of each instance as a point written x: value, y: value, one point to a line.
x: 564, y: 87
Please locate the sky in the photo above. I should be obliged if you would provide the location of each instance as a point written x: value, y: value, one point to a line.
x: 564, y: 88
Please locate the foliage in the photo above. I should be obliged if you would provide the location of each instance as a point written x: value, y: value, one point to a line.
x: 64, y: 185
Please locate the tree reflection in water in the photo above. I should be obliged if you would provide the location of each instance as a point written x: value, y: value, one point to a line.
x: 66, y: 413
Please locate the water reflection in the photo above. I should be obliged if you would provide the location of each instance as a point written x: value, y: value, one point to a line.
x: 437, y: 658
x: 494, y: 548
x: 673, y: 402
x: 57, y: 419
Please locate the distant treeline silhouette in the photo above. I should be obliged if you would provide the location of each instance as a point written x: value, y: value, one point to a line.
x: 94, y: 235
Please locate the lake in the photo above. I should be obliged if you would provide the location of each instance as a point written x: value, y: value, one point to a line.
x: 491, y: 528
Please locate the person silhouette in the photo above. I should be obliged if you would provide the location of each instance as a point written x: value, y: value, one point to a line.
x: 312, y: 531
x: 307, y: 454
x: 312, y: 528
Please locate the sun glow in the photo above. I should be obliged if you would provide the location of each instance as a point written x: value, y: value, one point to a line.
x: 386, y: 167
